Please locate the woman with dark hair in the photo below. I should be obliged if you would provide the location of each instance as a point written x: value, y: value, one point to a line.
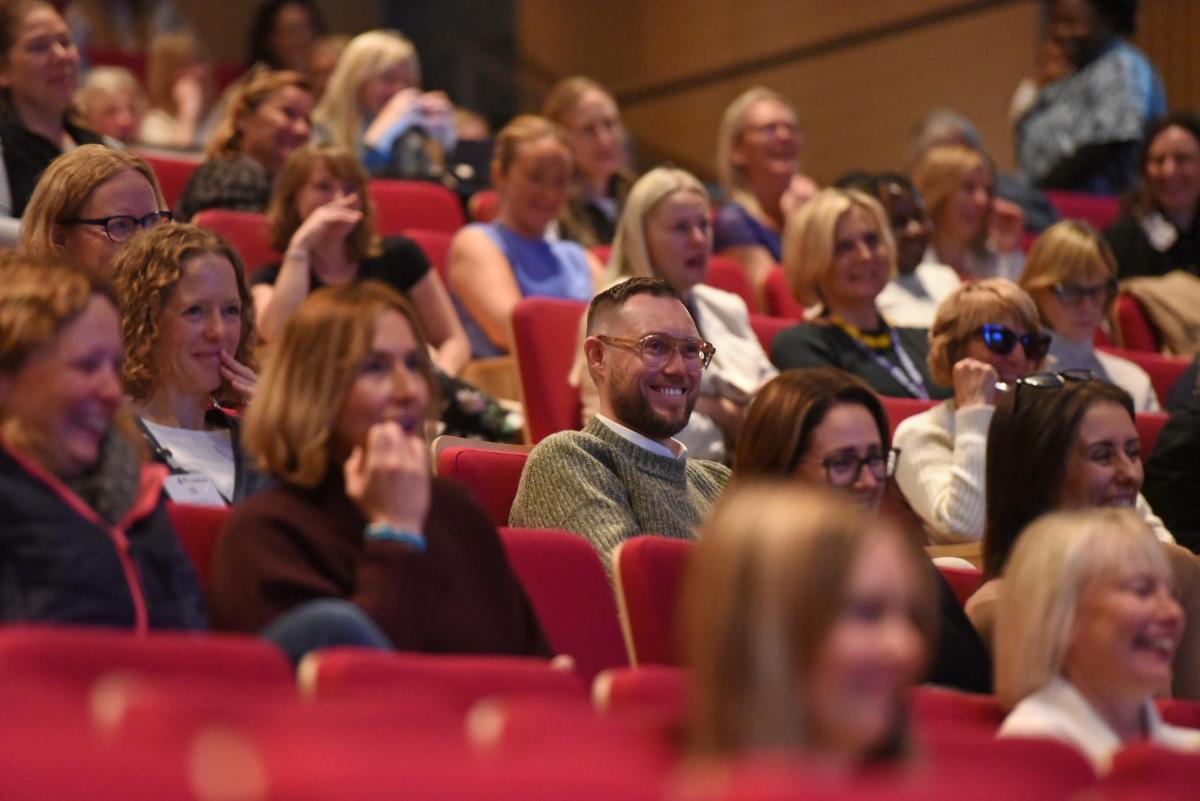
x: 835, y: 435
x: 1082, y: 133
x: 1063, y: 441
x: 1160, y: 231
x: 39, y: 68
x: 283, y: 33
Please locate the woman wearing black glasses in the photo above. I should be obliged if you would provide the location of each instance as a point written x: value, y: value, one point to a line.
x: 835, y: 434
x: 1061, y: 441
x: 87, y: 203
x: 1072, y: 276
x: 985, y: 336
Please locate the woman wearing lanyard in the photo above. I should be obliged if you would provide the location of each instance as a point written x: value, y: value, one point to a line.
x: 839, y: 254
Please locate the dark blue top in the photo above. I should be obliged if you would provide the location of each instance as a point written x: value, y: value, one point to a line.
x: 735, y: 226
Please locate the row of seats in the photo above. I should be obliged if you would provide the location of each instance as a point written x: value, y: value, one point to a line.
x: 101, y: 714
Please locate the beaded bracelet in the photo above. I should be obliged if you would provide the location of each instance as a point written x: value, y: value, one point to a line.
x: 386, y: 532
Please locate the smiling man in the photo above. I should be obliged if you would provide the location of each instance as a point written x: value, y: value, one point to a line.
x: 624, y: 474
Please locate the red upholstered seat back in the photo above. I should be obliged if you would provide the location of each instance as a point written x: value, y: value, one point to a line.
x: 245, y: 231
x: 725, y: 273
x: 198, y: 528
x: 649, y: 573
x: 546, y: 336
x: 401, y: 205
x: 780, y: 301
x: 172, y: 173
x: 492, y: 476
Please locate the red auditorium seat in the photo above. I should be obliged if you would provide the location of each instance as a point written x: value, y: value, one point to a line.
x: 483, y: 205
x: 1134, y: 328
x: 765, y: 328
x: 725, y: 273
x: 780, y: 301
x: 898, y: 409
x: 1146, y: 772
x: 245, y: 231
x: 934, y: 709
x: 648, y: 575
x: 358, y: 672
x: 1180, y: 712
x: 197, y: 528
x: 1098, y: 210
x: 1164, y: 371
x: 964, y: 581
x: 401, y: 205
x: 656, y: 687
x: 173, y: 173
x: 570, y: 593
x: 1149, y: 425
x: 491, y: 471
x: 435, y: 245
x: 74, y: 657
x: 545, y: 338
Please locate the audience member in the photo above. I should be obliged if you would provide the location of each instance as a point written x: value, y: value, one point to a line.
x: 39, y: 66
x: 86, y: 538
x: 325, y: 55
x: 282, y: 34
x: 1173, y: 474
x: 1085, y: 634
x: 782, y: 655
x: 665, y: 233
x: 494, y: 265
x: 624, y: 474
x: 110, y: 102
x: 339, y: 418
x: 985, y: 336
x: 834, y: 433
x: 589, y: 116
x: 1082, y: 132
x: 839, y: 253
x: 759, y: 148
x: 374, y: 107
x: 180, y: 87
x: 187, y: 321
x: 1160, y: 231
x: 1072, y: 276
x: 1066, y: 441
x: 88, y: 202
x: 974, y: 233
x: 264, y: 123
x: 911, y: 298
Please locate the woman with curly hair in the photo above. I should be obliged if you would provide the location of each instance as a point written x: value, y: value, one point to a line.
x: 188, y: 325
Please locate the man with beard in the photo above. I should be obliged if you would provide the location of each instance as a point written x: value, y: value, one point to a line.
x: 624, y: 474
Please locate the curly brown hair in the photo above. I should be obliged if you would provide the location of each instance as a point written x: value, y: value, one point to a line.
x: 145, y: 273
x: 283, y: 217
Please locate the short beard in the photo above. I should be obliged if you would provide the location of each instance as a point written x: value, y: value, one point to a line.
x: 633, y: 412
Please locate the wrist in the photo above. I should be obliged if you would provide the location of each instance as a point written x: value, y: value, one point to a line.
x: 384, y: 531
x: 297, y: 252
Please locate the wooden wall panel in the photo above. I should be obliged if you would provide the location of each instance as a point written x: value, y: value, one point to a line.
x: 1169, y: 32
x: 858, y: 98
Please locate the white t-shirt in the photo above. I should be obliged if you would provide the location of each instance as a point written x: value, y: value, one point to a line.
x: 208, y: 453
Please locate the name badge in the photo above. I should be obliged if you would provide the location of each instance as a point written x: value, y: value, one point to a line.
x: 193, y: 488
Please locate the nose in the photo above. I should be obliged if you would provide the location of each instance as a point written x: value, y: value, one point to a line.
x: 1129, y: 469
x: 403, y: 383
x: 866, y: 481
x: 900, y: 644
x: 108, y: 385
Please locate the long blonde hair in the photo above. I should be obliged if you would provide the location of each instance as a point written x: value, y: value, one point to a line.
x: 729, y: 133
x: 630, y: 255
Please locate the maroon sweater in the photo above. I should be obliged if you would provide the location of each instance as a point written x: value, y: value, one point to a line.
x: 285, y: 546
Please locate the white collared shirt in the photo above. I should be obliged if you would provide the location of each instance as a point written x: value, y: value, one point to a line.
x: 678, y: 451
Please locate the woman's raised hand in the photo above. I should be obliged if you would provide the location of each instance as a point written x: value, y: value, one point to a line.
x: 974, y: 383
x: 331, y: 222
x: 240, y: 377
x: 388, y: 477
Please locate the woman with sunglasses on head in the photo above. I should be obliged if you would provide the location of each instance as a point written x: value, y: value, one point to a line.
x: 88, y: 203
x: 1072, y: 277
x: 984, y: 334
x: 1062, y: 441
x: 826, y: 428
x: 839, y: 254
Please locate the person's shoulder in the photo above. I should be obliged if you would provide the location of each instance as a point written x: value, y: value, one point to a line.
x: 573, y: 441
x: 709, y: 470
x: 727, y: 304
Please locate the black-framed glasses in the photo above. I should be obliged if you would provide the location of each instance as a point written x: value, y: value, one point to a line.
x: 655, y: 350
x: 1049, y: 381
x: 1000, y: 340
x: 1071, y: 294
x: 120, y: 227
x: 843, y: 469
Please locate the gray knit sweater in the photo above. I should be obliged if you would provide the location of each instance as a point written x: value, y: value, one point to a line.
x: 599, y: 484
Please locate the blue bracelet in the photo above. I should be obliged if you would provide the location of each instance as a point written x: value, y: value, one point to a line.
x: 386, y: 532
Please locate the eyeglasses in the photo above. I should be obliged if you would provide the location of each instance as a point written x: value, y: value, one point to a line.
x: 1000, y: 340
x: 1049, y: 381
x: 656, y: 350
x: 843, y: 469
x: 1075, y: 294
x: 120, y: 227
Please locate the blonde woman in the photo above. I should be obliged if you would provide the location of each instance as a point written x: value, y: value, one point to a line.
x: 180, y: 88
x: 839, y: 254
x: 111, y: 103
x: 1086, y: 631
x: 1072, y: 276
x: 759, y: 149
x: 374, y: 100
x: 973, y: 232
x: 665, y: 233
x: 778, y: 646
x: 588, y: 114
